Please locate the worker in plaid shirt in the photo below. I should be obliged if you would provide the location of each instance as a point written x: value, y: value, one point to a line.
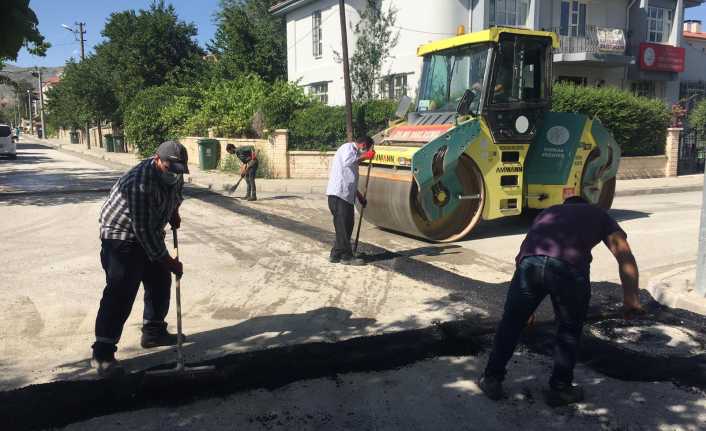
x: 132, y: 223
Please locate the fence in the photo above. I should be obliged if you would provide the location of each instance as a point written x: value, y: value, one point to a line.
x: 692, y: 144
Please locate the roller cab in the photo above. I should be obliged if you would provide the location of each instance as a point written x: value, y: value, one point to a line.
x: 480, y: 142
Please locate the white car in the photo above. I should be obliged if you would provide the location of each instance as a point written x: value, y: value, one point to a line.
x: 7, y: 144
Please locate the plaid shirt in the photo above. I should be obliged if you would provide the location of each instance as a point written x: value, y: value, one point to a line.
x: 139, y: 207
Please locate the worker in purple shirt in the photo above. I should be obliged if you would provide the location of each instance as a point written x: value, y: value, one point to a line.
x: 555, y: 260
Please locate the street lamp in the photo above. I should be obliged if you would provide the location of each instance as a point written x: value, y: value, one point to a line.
x: 37, y: 73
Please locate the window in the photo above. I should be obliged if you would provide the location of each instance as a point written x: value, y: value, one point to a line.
x: 644, y: 88
x: 573, y: 18
x: 319, y: 91
x: 509, y: 12
x: 393, y: 87
x: 448, y: 74
x: 659, y: 24
x: 317, y: 45
x: 520, y: 71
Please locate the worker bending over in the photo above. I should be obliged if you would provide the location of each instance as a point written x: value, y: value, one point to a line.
x: 248, y: 158
x: 342, y: 191
x: 555, y: 260
x: 132, y: 222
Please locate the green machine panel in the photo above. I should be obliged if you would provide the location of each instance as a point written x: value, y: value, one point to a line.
x: 551, y: 156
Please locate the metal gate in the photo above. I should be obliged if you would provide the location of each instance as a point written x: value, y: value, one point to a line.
x: 691, y: 151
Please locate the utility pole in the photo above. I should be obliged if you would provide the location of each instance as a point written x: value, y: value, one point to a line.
x: 346, y: 70
x: 79, y: 33
x: 29, y: 110
x: 38, y: 73
x: 701, y: 254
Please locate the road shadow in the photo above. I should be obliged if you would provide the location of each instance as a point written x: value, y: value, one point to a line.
x: 327, y: 324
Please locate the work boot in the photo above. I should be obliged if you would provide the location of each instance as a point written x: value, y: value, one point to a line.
x: 352, y: 261
x: 252, y: 198
x: 104, y: 362
x: 334, y: 259
x: 156, y: 334
x: 564, y: 394
x: 492, y: 387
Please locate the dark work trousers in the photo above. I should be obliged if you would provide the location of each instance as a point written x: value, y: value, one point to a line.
x: 570, y: 291
x: 343, y: 219
x: 126, y: 266
x: 250, y: 180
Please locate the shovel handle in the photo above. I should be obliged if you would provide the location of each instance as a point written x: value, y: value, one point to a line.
x: 177, y: 291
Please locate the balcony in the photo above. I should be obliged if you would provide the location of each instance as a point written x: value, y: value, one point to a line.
x: 599, y: 45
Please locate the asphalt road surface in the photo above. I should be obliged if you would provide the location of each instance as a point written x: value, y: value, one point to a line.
x: 257, y: 275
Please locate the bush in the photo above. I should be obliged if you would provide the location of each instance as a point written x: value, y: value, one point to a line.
x: 697, y: 118
x: 322, y: 127
x: 283, y: 99
x: 146, y: 125
x: 229, y: 106
x: 638, y: 124
x: 232, y: 164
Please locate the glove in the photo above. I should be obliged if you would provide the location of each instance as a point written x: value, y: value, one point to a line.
x: 175, y: 221
x: 173, y: 265
x: 369, y: 155
x: 363, y: 202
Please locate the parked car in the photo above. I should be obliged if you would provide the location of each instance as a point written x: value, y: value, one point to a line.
x: 7, y: 143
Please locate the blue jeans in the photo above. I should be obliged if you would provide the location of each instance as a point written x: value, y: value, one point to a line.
x: 570, y: 291
x: 126, y: 265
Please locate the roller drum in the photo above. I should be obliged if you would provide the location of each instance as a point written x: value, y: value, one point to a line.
x: 392, y: 203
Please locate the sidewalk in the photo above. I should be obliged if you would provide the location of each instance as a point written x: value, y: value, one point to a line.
x: 677, y: 289
x: 219, y: 181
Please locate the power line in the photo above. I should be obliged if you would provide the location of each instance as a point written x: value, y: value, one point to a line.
x: 422, y: 31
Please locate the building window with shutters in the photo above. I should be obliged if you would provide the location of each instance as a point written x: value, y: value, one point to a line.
x: 319, y: 91
x: 317, y: 45
x: 573, y: 18
x: 659, y: 24
x: 509, y: 12
x: 393, y: 86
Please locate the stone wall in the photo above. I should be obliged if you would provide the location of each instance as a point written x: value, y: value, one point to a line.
x: 310, y: 164
x: 642, y: 167
x: 272, y: 150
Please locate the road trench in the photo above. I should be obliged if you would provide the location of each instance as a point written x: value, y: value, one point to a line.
x: 603, y: 347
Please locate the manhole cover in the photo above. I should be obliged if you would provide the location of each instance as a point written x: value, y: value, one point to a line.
x: 655, y: 339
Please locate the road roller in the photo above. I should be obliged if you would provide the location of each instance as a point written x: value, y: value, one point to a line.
x: 480, y: 142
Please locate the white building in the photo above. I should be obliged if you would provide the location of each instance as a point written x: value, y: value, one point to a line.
x: 631, y: 44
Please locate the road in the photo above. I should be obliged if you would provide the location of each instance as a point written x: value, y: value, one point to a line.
x: 257, y: 275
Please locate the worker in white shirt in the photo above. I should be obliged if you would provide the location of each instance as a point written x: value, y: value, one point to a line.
x: 342, y: 191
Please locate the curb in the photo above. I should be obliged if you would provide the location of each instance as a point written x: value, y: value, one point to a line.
x: 666, y: 290
x: 303, y: 189
x: 659, y: 190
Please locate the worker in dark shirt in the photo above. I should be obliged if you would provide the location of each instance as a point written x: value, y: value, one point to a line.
x: 555, y: 260
x: 248, y: 158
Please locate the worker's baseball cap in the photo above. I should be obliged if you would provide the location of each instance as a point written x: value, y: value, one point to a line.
x: 176, y: 155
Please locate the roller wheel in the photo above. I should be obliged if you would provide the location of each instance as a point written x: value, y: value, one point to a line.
x: 465, y: 217
x: 607, y: 193
x: 605, y: 201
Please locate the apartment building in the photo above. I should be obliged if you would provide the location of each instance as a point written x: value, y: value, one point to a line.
x: 630, y: 44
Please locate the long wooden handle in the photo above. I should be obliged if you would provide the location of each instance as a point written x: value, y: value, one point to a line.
x: 362, y: 208
x: 180, y: 353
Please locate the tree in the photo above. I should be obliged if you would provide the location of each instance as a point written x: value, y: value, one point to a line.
x: 144, y: 49
x: 375, y: 41
x: 249, y: 39
x: 19, y: 29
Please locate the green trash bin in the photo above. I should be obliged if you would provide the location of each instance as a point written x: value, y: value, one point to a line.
x: 73, y: 136
x: 119, y: 144
x: 209, y: 153
x: 108, y: 143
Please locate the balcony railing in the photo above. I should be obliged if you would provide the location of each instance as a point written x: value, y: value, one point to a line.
x: 597, y: 40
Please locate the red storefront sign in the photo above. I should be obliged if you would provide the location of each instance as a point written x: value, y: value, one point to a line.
x: 663, y: 58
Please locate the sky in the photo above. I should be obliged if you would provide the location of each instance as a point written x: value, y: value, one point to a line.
x: 53, y: 13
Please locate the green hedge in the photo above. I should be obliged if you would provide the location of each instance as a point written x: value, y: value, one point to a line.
x: 321, y: 127
x: 148, y: 119
x: 638, y: 124
x: 697, y: 117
